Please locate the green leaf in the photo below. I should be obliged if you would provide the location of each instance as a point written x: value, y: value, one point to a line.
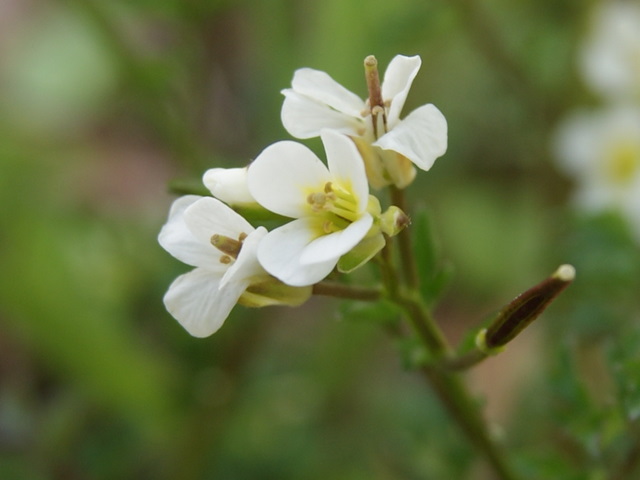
x: 435, y: 274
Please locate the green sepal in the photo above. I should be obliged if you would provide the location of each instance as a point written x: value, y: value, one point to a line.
x: 271, y: 291
x: 361, y: 253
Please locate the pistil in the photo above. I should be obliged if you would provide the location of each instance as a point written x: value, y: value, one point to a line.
x: 376, y: 105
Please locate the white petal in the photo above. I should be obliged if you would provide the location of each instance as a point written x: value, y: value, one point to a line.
x: 346, y: 165
x: 280, y: 250
x: 421, y: 137
x: 396, y: 84
x: 246, y: 265
x: 176, y: 238
x: 279, y: 176
x: 195, y: 300
x: 304, y: 117
x: 229, y: 185
x: 578, y: 144
x: 320, y: 86
x: 209, y: 216
x: 334, y: 245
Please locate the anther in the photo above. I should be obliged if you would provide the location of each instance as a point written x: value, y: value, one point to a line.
x: 227, y: 245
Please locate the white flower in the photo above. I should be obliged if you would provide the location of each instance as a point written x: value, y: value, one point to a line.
x: 229, y: 185
x: 610, y: 59
x: 202, y: 299
x: 329, y: 205
x: 387, y: 143
x: 601, y: 150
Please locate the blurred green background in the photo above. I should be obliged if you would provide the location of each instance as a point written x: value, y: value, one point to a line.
x: 104, y: 103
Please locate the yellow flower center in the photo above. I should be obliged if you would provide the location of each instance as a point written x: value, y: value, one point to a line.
x: 623, y: 162
x: 333, y: 206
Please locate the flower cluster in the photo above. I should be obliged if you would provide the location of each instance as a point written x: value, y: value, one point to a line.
x: 600, y: 147
x: 328, y: 219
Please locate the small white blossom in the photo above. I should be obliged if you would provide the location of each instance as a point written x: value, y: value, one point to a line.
x: 388, y: 146
x: 202, y: 299
x: 229, y: 185
x: 601, y: 151
x: 610, y: 59
x: 329, y: 205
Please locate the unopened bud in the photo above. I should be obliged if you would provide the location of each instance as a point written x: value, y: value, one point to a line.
x: 229, y: 185
x: 393, y: 221
x: 524, y: 309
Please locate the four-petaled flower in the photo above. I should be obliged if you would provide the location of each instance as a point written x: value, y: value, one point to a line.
x: 205, y: 233
x: 387, y: 144
x: 329, y: 205
x: 202, y: 299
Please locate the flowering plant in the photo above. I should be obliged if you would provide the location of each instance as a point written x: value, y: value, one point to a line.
x: 329, y: 224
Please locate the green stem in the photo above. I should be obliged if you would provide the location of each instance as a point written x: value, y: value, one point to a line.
x: 423, y: 323
x: 409, y: 265
x: 339, y: 290
x: 462, y: 407
x: 452, y: 393
x: 463, y: 362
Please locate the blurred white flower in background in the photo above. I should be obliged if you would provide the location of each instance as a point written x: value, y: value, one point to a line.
x: 600, y: 150
x: 610, y: 57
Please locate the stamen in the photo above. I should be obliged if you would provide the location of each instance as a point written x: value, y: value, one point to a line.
x: 346, y: 214
x: 227, y: 245
x: 225, y: 259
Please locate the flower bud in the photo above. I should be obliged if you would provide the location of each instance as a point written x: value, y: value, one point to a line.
x: 523, y: 310
x: 393, y: 221
x: 229, y: 185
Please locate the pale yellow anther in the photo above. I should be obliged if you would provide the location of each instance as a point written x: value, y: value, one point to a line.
x: 317, y: 200
x: 225, y: 259
x: 229, y: 246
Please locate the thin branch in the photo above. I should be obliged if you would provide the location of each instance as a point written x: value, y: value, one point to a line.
x: 463, y: 362
x: 339, y: 290
x: 409, y: 266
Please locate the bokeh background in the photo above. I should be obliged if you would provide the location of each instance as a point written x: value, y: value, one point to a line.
x: 106, y: 105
